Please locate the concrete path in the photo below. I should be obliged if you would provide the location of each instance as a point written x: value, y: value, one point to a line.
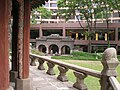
x: 43, y: 81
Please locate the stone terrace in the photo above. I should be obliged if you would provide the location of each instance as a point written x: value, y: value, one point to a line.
x: 43, y: 81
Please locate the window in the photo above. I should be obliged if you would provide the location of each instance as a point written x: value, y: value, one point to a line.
x: 46, y: 5
x: 53, y: 5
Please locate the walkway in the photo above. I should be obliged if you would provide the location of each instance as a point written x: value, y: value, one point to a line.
x: 43, y: 81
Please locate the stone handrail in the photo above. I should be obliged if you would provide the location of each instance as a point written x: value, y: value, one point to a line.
x: 109, y: 61
x: 70, y: 66
x: 115, y: 84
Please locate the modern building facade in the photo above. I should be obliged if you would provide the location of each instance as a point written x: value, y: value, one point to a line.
x: 101, y: 36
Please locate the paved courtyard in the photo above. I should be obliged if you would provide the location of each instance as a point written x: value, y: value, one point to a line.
x: 43, y: 81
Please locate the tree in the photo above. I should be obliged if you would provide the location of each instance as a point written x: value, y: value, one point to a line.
x: 40, y: 13
x: 89, y: 10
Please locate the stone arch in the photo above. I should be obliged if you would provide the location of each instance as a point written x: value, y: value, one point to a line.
x: 42, y: 48
x: 53, y: 49
x: 65, y: 49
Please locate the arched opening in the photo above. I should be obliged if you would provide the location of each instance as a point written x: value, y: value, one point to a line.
x: 65, y: 49
x: 53, y: 49
x: 42, y: 48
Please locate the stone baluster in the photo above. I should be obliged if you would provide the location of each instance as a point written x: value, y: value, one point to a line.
x: 62, y: 76
x: 79, y: 84
x: 110, y: 62
x: 41, y: 67
x: 32, y: 62
x: 50, y: 70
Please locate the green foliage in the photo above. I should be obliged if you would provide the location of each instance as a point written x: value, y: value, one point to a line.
x: 118, y: 57
x: 34, y: 51
x: 40, y: 13
x: 87, y: 9
x: 80, y: 56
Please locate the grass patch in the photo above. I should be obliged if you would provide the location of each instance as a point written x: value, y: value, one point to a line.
x: 34, y: 51
x: 80, y: 56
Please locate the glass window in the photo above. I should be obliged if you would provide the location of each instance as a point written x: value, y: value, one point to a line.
x: 53, y: 5
x: 47, y: 5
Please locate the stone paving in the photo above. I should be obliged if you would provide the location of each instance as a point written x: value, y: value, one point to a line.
x: 43, y: 81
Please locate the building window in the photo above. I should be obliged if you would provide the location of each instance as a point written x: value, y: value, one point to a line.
x: 53, y: 5
x: 46, y: 5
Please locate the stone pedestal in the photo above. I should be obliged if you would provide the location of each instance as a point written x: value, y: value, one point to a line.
x: 23, y: 84
x: 13, y: 76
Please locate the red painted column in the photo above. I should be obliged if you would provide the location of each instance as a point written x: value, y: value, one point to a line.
x: 23, y: 80
x: 4, y: 68
x: 26, y: 39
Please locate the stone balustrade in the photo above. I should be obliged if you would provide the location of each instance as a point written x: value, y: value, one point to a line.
x: 107, y: 76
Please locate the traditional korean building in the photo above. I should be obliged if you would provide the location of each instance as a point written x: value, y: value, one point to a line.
x: 19, y: 12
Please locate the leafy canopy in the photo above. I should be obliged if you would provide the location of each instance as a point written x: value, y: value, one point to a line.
x: 40, y: 13
x: 87, y: 9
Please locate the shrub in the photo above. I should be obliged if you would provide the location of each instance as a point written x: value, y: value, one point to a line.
x: 34, y: 51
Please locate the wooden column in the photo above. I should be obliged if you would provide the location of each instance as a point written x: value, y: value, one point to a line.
x: 4, y: 68
x: 23, y: 81
x: 20, y: 37
x: 26, y: 39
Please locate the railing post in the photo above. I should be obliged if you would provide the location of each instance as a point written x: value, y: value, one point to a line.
x: 32, y: 62
x: 79, y: 84
x: 62, y: 76
x: 50, y: 70
x: 41, y: 67
x: 110, y: 62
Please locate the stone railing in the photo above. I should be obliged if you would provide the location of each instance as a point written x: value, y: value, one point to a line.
x: 107, y: 76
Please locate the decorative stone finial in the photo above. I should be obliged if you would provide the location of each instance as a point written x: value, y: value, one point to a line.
x: 110, y: 62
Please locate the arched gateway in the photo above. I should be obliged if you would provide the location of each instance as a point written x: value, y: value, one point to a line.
x: 42, y: 48
x: 56, y: 44
x: 65, y: 49
x: 53, y: 49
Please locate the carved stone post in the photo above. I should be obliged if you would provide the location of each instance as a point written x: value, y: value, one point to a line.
x: 110, y: 62
x: 50, y: 70
x: 79, y: 84
x: 33, y: 59
x: 41, y: 67
x: 62, y: 76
